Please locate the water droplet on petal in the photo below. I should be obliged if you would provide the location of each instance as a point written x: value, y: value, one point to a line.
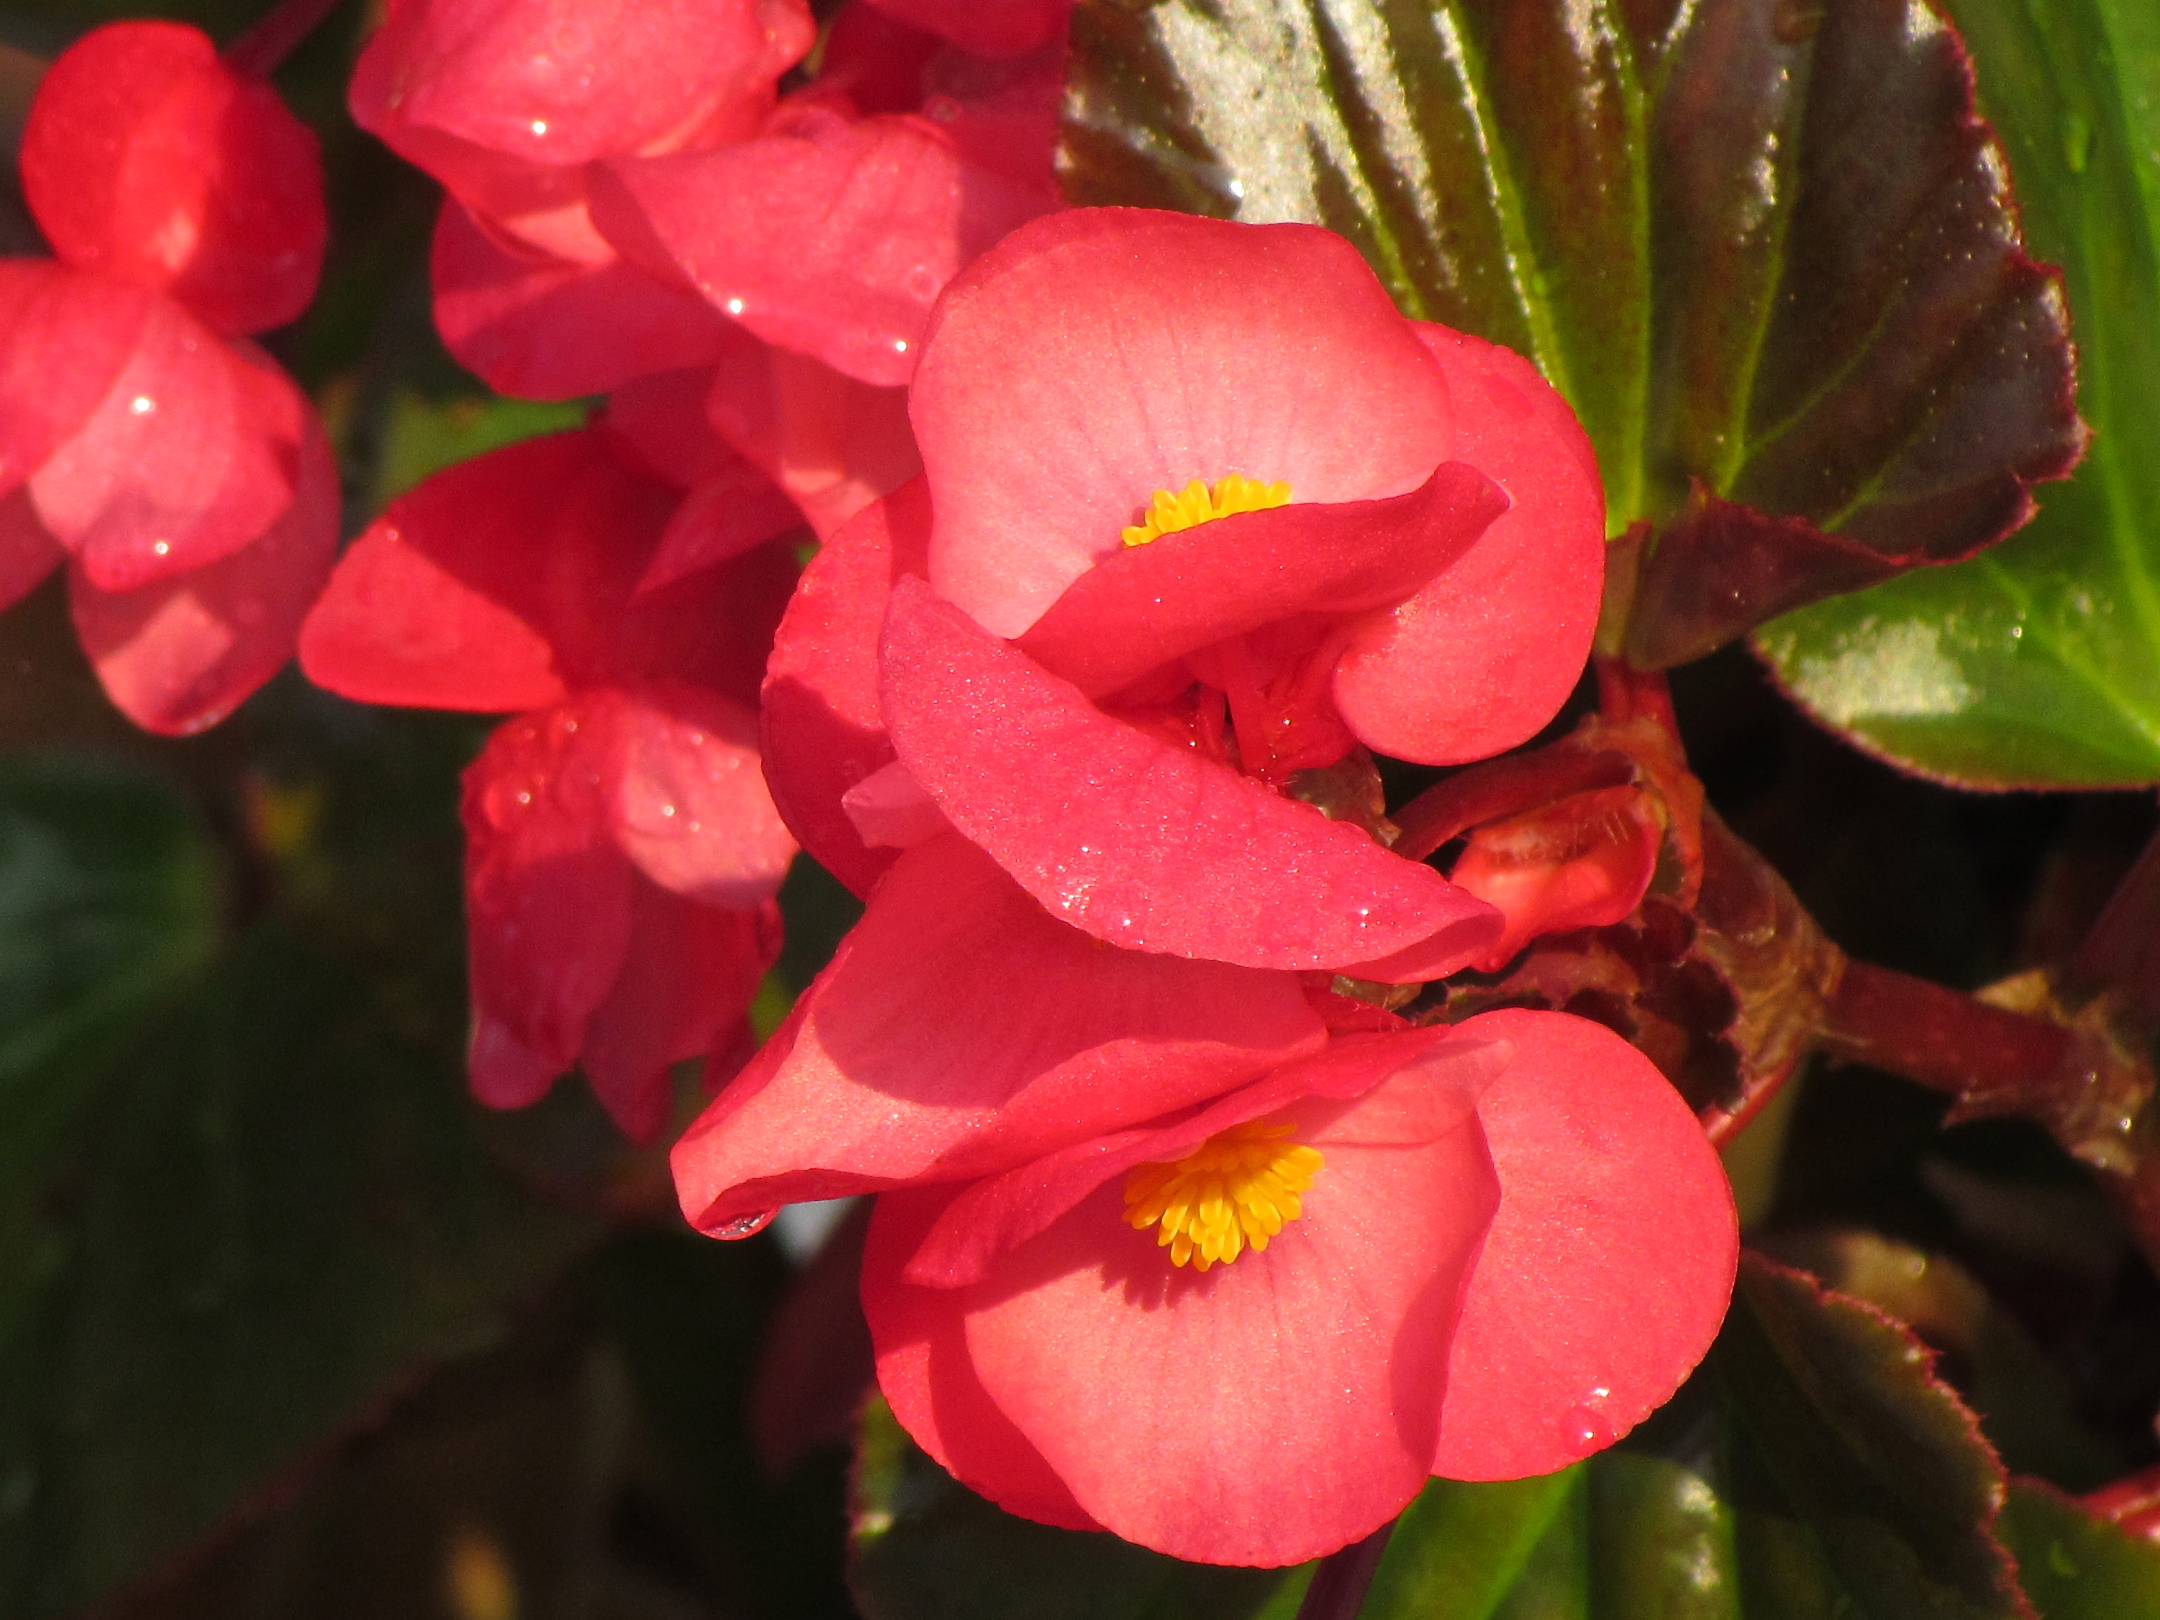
x: 539, y: 126
x: 743, y: 1226
x: 734, y: 306
x: 142, y: 404
x: 1585, y: 1428
x: 162, y: 548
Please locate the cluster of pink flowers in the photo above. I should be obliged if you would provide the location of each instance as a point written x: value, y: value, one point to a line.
x: 1139, y: 535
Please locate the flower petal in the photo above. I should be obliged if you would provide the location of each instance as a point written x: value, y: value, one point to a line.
x: 496, y: 584
x: 690, y: 805
x: 539, y: 327
x: 64, y: 338
x: 1139, y: 609
x: 824, y: 730
x: 564, y: 82
x: 146, y: 159
x: 1141, y: 843
x: 1005, y: 1210
x: 1099, y: 355
x: 1580, y: 862
x: 1610, y: 1262
x: 27, y: 552
x: 925, y: 1374
x: 1003, y: 28
x: 547, y: 890
x: 958, y: 1031
x: 189, y: 456
x: 1267, y: 1411
x: 1482, y: 657
x: 688, y: 975
x: 824, y: 235
x: 833, y: 443
x: 181, y: 653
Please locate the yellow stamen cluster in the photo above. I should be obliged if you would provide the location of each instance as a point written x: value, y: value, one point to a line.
x: 1233, y: 1192
x: 1196, y: 504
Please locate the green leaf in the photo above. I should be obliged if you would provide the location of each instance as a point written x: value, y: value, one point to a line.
x: 1761, y: 246
x: 108, y: 905
x: 286, y: 1215
x: 2077, y: 1567
x: 924, y: 1547
x: 1882, y: 1485
x: 423, y: 436
x: 2038, y: 664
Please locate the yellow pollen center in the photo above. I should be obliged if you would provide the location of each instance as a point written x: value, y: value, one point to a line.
x: 1231, y: 1193
x: 1196, y: 504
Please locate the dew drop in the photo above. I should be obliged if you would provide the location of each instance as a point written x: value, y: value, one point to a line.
x: 743, y: 1226
x: 162, y: 548
x: 734, y: 306
x: 142, y: 404
x: 1585, y: 1428
x: 899, y: 345
x: 667, y: 810
x: 539, y: 126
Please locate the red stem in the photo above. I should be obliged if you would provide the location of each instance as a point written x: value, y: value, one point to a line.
x: 1340, y: 1583
x: 1940, y: 1038
x: 1627, y: 693
x: 260, y: 51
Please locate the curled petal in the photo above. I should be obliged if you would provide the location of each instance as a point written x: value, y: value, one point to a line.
x: 1129, y: 352
x: 1004, y: 1211
x: 1134, y: 611
x: 182, y: 652
x: 1484, y: 655
x: 1141, y: 843
x: 1608, y: 1266
x: 190, y: 454
x: 146, y: 159
x: 959, y: 1031
x: 1581, y: 862
x: 824, y: 731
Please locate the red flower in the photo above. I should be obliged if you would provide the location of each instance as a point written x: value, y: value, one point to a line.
x: 175, y: 468
x: 1415, y: 1253
x: 1425, y: 586
x: 622, y: 852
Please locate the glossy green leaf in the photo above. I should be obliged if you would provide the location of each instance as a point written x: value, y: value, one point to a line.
x: 1761, y: 246
x: 925, y: 1547
x: 1859, y: 1474
x: 108, y: 904
x: 286, y: 1215
x: 2038, y: 664
x: 2077, y: 1567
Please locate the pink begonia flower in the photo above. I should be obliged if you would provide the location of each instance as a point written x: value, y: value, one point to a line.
x: 1112, y: 719
x: 179, y: 474
x: 622, y: 852
x: 1431, y: 1255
